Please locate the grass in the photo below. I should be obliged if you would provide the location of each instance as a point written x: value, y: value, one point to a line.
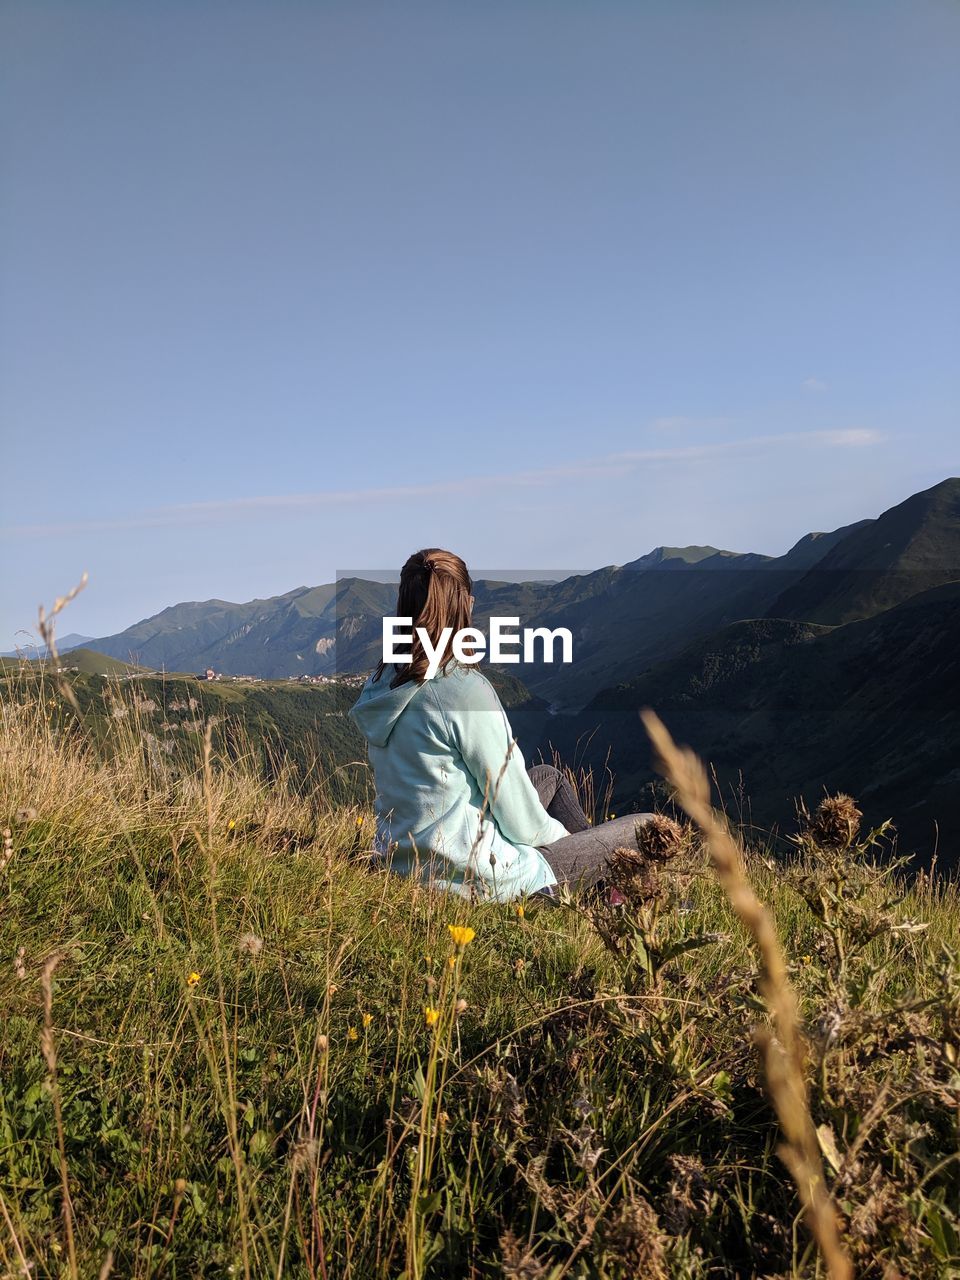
x: 230, y: 1047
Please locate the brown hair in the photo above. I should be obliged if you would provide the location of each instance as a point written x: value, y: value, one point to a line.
x: 435, y: 590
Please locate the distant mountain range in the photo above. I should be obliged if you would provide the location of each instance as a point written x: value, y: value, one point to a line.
x: 64, y: 645
x: 832, y: 665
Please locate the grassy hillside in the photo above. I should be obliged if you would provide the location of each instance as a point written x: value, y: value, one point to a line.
x: 300, y: 731
x: 83, y: 661
x: 281, y: 727
x: 87, y: 662
x: 230, y: 1046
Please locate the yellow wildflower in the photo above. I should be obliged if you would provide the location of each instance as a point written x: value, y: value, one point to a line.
x: 192, y: 979
x: 359, y: 819
x: 231, y: 824
x: 366, y: 1019
x: 462, y: 934
x: 353, y: 1033
x: 431, y: 1015
x: 612, y: 816
x: 520, y: 911
x: 429, y: 959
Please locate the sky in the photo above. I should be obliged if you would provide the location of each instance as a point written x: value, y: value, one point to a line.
x: 294, y: 287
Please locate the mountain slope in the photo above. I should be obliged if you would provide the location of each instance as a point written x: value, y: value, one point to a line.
x: 93, y: 663
x: 641, y: 616
x: 669, y: 557
x: 291, y: 634
x: 784, y: 709
x: 911, y: 547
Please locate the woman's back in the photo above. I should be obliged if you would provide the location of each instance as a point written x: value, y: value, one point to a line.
x: 454, y: 801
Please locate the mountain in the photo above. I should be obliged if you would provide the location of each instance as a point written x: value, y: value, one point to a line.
x: 673, y: 596
x: 64, y: 645
x: 783, y: 709
x: 837, y: 670
x: 812, y: 548
x: 623, y: 619
x: 72, y: 641
x: 626, y: 620
x: 910, y: 548
x: 291, y: 634
x: 666, y: 557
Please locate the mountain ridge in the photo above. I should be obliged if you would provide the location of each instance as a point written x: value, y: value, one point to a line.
x: 623, y: 619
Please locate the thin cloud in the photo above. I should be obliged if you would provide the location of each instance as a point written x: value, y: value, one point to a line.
x: 613, y: 464
x: 815, y: 384
x: 847, y: 437
x: 852, y: 437
x: 682, y: 423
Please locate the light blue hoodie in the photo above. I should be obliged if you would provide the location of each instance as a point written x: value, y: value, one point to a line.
x: 454, y: 803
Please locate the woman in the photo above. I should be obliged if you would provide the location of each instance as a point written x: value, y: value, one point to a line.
x: 455, y: 803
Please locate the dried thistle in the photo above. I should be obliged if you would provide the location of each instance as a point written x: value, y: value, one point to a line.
x: 836, y: 822
x: 631, y: 873
x: 660, y: 838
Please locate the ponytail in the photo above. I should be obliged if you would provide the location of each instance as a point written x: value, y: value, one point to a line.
x: 435, y: 590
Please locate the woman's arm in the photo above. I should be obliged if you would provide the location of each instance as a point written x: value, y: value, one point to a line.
x: 482, y: 734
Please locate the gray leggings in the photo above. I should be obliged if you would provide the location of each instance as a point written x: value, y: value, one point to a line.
x: 581, y: 857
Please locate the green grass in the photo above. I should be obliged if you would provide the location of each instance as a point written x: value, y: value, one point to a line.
x: 588, y: 1102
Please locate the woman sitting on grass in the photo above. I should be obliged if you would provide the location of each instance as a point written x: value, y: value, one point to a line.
x: 455, y: 803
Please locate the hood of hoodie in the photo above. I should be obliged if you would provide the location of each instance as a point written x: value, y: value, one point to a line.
x: 377, y: 710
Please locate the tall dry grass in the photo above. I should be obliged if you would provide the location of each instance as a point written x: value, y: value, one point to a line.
x: 783, y: 1045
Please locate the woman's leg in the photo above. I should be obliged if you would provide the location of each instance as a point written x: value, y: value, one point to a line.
x: 558, y: 797
x: 581, y: 858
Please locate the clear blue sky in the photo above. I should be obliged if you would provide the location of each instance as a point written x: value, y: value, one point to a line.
x: 292, y: 288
